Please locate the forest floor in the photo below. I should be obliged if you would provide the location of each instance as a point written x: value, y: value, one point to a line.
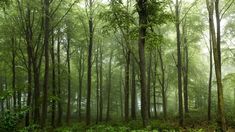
x: 136, y: 126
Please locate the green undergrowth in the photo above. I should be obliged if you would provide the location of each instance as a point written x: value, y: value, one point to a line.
x: 132, y: 126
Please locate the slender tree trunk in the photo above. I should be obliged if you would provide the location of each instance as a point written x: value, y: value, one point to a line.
x: 109, y: 86
x: 121, y: 95
x: 69, y: 82
x: 149, y: 83
x: 142, y: 11
x: 46, y: 74
x: 181, y: 119
x: 89, y: 64
x: 101, y: 84
x: 97, y: 86
x: 36, y: 92
x: 53, y: 83
x: 209, y: 85
x: 59, y: 85
x: 126, y: 90
x: 6, y: 89
x: 80, y: 74
x: 29, y: 55
x: 13, y: 72
x: 2, y: 101
x: 154, y: 87
x: 217, y: 61
x: 185, y: 70
x: 162, y: 83
x: 29, y: 90
x: 133, y: 92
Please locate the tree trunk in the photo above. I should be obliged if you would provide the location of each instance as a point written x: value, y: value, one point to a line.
x: 89, y: 67
x: 185, y: 70
x: 133, y: 92
x: 162, y: 83
x: 149, y: 83
x: 36, y: 92
x: 181, y: 119
x: 121, y: 95
x: 97, y: 85
x: 216, y: 53
x: 101, y: 84
x: 126, y: 90
x: 59, y: 84
x: 53, y: 83
x: 13, y: 72
x: 210, y: 82
x: 154, y: 86
x: 80, y: 77
x: 109, y: 86
x: 69, y: 82
x: 29, y: 70
x: 142, y: 11
x: 46, y: 74
x: 29, y: 90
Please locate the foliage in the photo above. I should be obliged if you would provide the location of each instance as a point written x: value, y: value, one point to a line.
x: 10, y: 119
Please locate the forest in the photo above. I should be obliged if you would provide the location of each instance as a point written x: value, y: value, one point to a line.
x: 117, y: 65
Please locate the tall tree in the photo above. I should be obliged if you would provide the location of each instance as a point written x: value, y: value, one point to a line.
x: 68, y: 116
x: 185, y: 67
x: 89, y: 63
x: 142, y: 11
x: 217, y: 59
x: 101, y: 83
x: 149, y: 83
x: 179, y: 67
x: 80, y: 77
x: 60, y: 112
x: 210, y: 81
x: 53, y: 108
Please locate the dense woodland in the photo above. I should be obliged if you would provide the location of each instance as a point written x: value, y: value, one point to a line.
x: 117, y: 65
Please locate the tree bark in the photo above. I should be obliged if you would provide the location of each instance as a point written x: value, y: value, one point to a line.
x: 133, y: 92
x: 53, y: 83
x: 89, y: 64
x: 216, y: 54
x: 149, y: 83
x: 210, y: 83
x: 59, y: 84
x: 185, y: 70
x: 154, y: 86
x: 69, y: 81
x: 181, y: 119
x: 142, y: 11
x: 46, y: 74
x: 126, y: 90
x: 101, y: 84
x: 109, y: 86
x: 80, y: 77
x: 162, y: 83
x: 97, y: 85
x: 13, y: 72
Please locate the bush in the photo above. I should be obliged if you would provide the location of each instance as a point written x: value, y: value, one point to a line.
x: 9, y: 120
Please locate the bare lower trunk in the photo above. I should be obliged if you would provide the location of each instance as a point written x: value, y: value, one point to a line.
x: 126, y: 90
x: 149, y: 83
x: 109, y: 87
x: 133, y: 92
x: 59, y: 112
x: 101, y: 84
x: 69, y: 83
